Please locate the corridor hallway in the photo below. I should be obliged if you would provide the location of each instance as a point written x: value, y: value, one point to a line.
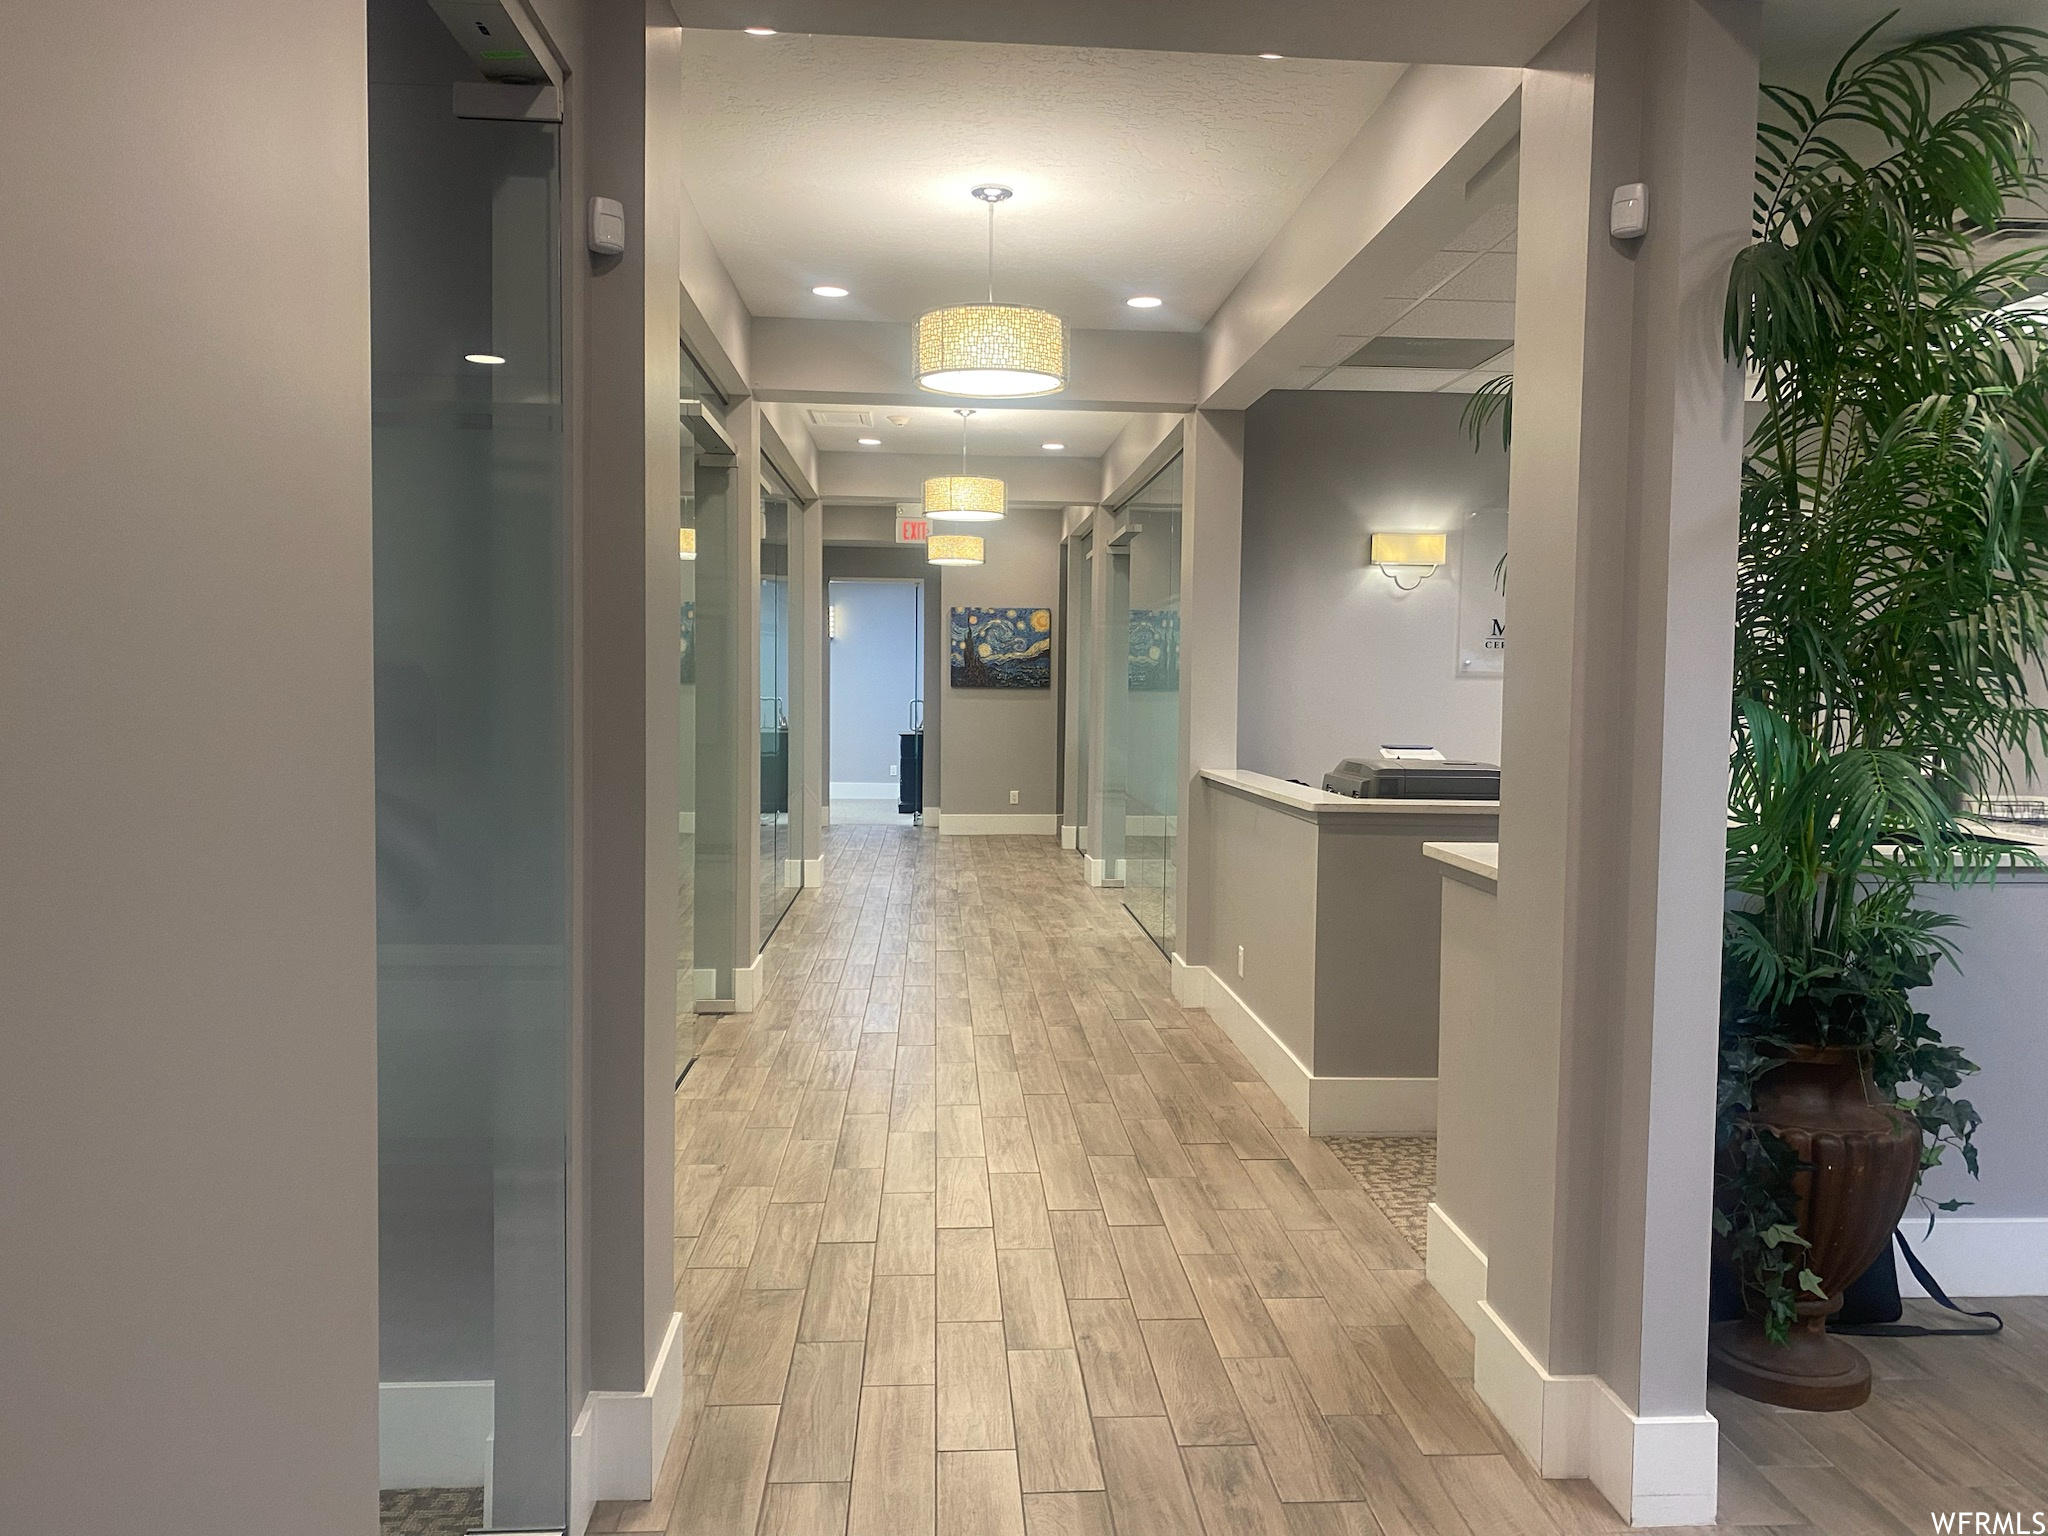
x: 980, y: 1233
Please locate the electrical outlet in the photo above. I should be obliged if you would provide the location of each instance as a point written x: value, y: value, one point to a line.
x: 1013, y: 797
x: 894, y: 769
x: 1240, y: 962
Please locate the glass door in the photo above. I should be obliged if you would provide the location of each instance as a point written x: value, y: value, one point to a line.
x: 1151, y: 713
x: 782, y: 868
x: 471, y: 594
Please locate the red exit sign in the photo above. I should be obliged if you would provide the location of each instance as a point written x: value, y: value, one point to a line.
x: 913, y: 530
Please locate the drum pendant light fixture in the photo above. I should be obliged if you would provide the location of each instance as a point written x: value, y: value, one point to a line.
x: 953, y: 549
x: 963, y: 498
x: 991, y: 350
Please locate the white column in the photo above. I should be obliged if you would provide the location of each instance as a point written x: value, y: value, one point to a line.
x: 808, y: 703
x: 1623, y: 512
x: 1211, y: 546
x: 1109, y: 611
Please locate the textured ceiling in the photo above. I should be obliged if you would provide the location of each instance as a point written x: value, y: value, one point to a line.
x: 847, y: 160
x: 935, y: 429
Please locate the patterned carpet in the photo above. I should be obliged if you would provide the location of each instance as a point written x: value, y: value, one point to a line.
x: 431, y: 1511
x: 1399, y: 1173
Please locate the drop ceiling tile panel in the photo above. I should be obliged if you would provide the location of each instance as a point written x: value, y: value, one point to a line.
x: 1486, y: 232
x: 1400, y: 380
x: 1455, y: 317
x: 1443, y: 267
x: 1489, y: 277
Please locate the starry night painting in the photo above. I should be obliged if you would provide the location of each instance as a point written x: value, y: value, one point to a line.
x: 1002, y: 647
x: 1155, y: 650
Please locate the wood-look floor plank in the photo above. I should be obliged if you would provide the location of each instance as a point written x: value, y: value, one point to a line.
x: 905, y: 1234
x: 1115, y: 1366
x: 978, y: 1493
x: 1055, y: 1436
x: 974, y: 1388
x: 820, y: 1413
x: 802, y: 1509
x: 1435, y: 1413
x: 901, y: 1337
x: 1034, y: 1306
x: 894, y: 1490
x: 1087, y: 1259
x: 836, y: 1299
x: 969, y: 1287
x: 1147, y: 1485
x: 1233, y: 1492
x: 1153, y: 1273
x: 727, y: 1475
x: 754, y: 1365
x: 1067, y: 1514
x: 1237, y: 1319
x: 1306, y: 1463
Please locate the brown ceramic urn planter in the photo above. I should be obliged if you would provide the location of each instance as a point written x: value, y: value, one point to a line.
x: 1865, y: 1154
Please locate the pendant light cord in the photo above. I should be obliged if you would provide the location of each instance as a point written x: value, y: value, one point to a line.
x: 991, y: 269
x: 963, y: 415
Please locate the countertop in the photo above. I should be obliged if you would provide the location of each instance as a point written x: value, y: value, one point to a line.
x: 1481, y: 859
x: 1320, y: 802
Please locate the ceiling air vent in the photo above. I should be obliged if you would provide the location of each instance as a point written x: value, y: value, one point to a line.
x: 1456, y: 352
x: 840, y: 416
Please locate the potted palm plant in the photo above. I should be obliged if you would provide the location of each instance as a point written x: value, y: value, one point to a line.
x: 1892, y: 613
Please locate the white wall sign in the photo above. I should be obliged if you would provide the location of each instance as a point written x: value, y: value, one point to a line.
x: 1483, y: 595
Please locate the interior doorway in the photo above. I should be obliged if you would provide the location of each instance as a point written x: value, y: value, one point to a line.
x: 875, y: 735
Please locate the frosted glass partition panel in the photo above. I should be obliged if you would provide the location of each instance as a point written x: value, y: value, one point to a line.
x: 1151, y: 713
x: 471, y: 593
x: 782, y: 866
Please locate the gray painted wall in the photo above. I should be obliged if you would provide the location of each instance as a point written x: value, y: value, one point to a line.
x: 1334, y: 660
x: 1000, y: 739
x: 188, y: 1127
x: 877, y: 671
x: 1991, y: 1007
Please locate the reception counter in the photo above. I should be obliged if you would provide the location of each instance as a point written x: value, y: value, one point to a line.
x: 1996, y: 1246
x: 1315, y: 941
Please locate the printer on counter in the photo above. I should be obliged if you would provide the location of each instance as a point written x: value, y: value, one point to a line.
x: 1412, y: 773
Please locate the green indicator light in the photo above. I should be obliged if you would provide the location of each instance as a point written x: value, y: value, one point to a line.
x: 504, y: 53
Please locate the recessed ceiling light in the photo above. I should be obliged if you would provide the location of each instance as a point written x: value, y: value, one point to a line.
x: 488, y: 359
x: 1052, y: 447
x: 1145, y: 301
x: 871, y: 442
x: 760, y: 31
x: 1272, y: 55
x: 829, y: 291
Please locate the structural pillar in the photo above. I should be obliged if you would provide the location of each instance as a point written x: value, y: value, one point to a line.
x: 1622, y: 545
x: 1212, y: 528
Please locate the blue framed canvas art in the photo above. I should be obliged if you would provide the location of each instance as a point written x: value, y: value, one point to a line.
x: 1001, y: 647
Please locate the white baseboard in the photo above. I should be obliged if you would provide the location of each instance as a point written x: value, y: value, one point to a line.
x: 748, y: 983
x: 1980, y: 1255
x: 1455, y: 1266
x: 1069, y: 835
x: 814, y: 872
x: 434, y: 1434
x: 628, y: 1433
x: 825, y: 814
x: 1190, y: 982
x: 1660, y: 1470
x: 1009, y: 824
x: 686, y: 823
x: 1104, y: 872
x: 884, y: 789
x: 1323, y: 1106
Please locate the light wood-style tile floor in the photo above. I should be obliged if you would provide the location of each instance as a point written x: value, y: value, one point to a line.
x: 980, y: 1233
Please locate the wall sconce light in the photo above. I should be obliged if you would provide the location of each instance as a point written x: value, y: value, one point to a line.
x: 689, y: 543
x: 1419, y: 555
